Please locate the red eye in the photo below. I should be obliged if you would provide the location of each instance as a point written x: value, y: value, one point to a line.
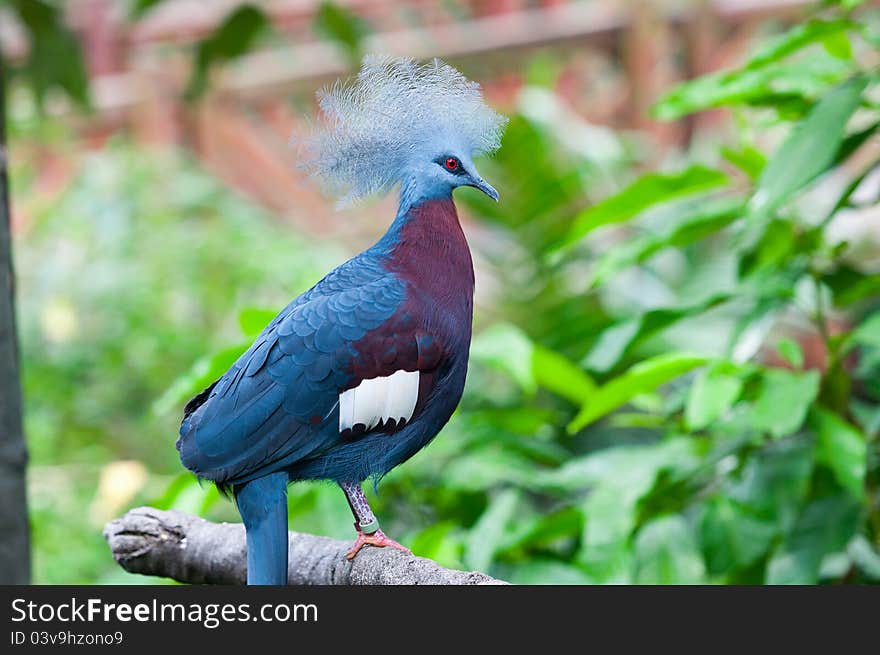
x: 452, y: 164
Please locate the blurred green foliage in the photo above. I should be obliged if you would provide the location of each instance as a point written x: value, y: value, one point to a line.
x: 235, y: 36
x: 54, y: 60
x: 675, y: 379
x: 343, y: 27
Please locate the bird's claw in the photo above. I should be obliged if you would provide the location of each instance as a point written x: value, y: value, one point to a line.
x: 377, y: 539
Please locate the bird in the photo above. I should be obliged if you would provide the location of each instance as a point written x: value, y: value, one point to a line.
x: 361, y: 371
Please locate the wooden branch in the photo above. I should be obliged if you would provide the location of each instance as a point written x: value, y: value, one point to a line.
x: 172, y: 544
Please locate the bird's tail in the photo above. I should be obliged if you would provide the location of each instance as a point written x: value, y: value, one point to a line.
x: 263, y: 507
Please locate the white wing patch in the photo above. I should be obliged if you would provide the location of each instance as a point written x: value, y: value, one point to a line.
x: 380, y: 399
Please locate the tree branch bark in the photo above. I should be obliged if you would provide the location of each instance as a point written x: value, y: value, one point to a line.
x: 186, y: 548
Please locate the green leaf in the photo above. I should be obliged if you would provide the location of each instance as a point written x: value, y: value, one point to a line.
x: 809, y: 150
x: 838, y: 45
x: 732, y: 536
x: 783, y: 400
x: 205, y: 371
x: 541, y: 530
x: 618, y: 465
x: 836, y: 385
x: 776, y: 245
x: 753, y: 324
x: 478, y: 470
x: 342, y: 26
x: 842, y: 448
x: 748, y: 159
x: 326, y: 513
x: 774, y: 481
x: 234, y: 37
x: 666, y: 553
x: 860, y: 288
x: 647, y: 191
x: 55, y: 57
x: 613, y: 343
x: 192, y: 498
x: 609, y: 513
x: 638, y: 419
x: 178, y: 485
x: 790, y: 351
x: 868, y: 332
x: 505, y: 347
x: 711, y: 395
x: 620, y: 477
x: 543, y: 571
x: 489, y: 423
x: 851, y: 143
x: 438, y: 541
x: 797, y: 38
x: 694, y: 224
x: 253, y: 320
x: 824, y: 527
x: 210, y: 497
x: 643, y: 377
x: 788, y: 86
x: 868, y: 417
x: 764, y: 79
x: 487, y: 534
x: 139, y: 8
x: 563, y: 377
x: 865, y: 556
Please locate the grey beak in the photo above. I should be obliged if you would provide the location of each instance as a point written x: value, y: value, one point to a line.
x: 485, y: 187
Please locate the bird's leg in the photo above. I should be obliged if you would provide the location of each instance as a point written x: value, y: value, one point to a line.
x: 365, y: 522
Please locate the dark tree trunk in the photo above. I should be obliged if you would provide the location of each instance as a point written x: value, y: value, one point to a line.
x: 14, y: 529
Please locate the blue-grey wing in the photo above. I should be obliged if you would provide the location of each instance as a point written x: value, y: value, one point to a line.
x: 271, y: 408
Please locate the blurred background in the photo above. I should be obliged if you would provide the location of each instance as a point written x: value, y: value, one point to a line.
x: 675, y: 375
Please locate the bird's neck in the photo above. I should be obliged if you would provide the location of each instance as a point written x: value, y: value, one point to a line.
x: 416, y: 190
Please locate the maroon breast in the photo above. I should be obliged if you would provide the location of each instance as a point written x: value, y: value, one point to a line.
x: 433, y: 257
x: 431, y: 330
x: 432, y: 327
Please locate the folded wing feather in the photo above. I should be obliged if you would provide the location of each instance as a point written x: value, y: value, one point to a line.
x: 380, y: 399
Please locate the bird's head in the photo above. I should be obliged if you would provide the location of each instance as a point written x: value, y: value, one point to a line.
x: 441, y: 165
x: 402, y: 122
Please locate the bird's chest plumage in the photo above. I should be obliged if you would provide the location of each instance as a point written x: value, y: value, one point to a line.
x: 430, y: 263
x: 433, y: 259
x: 417, y: 359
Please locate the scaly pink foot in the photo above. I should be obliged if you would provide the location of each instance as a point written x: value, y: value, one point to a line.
x: 377, y: 539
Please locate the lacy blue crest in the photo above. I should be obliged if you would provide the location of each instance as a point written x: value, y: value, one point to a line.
x: 373, y: 128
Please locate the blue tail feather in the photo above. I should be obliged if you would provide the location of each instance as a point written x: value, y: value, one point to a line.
x: 263, y: 507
